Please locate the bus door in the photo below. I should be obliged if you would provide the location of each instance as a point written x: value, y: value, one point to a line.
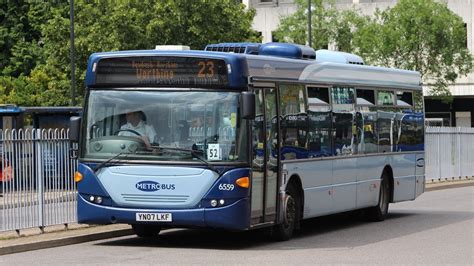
x: 265, y: 161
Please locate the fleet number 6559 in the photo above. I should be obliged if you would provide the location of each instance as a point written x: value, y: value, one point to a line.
x: 228, y: 187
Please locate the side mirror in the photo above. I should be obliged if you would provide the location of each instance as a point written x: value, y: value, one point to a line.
x: 74, y: 128
x: 247, y: 105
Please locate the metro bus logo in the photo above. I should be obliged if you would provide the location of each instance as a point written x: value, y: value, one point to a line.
x: 150, y: 186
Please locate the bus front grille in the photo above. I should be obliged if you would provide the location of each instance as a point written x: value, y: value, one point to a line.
x: 155, y: 198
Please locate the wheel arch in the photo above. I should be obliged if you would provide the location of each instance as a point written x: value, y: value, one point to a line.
x: 388, y: 171
x: 295, y: 181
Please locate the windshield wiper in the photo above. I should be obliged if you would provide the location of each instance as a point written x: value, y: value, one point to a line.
x: 194, y: 154
x: 105, y: 163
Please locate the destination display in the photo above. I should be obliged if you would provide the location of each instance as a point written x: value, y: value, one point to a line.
x: 161, y: 70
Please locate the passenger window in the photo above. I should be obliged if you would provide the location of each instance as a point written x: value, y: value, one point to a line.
x: 343, y: 117
x: 410, y: 137
x: 404, y: 99
x: 319, y: 122
x: 385, y: 98
x: 365, y: 97
x: 318, y: 96
x: 366, y: 119
x: 294, y: 122
x: 342, y: 98
x: 385, y: 130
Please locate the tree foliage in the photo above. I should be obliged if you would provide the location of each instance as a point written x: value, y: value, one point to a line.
x: 421, y: 35
x: 294, y: 28
x: 20, y: 37
x: 35, y: 58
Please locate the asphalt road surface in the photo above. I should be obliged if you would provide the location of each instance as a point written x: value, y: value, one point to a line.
x: 437, y: 228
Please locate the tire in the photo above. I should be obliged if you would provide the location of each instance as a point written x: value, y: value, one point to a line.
x: 379, y: 212
x: 146, y: 231
x: 285, y: 230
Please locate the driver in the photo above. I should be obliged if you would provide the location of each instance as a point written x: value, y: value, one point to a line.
x: 136, y: 122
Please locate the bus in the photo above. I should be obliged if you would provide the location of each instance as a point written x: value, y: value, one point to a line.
x: 245, y: 136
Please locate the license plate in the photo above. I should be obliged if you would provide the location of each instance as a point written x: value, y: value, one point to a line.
x: 153, y: 217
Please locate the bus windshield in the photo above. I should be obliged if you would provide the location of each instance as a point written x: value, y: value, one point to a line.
x: 164, y: 126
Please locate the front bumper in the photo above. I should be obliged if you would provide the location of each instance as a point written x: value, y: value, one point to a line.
x: 235, y: 216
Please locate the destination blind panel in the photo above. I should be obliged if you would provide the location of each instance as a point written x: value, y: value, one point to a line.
x: 161, y: 70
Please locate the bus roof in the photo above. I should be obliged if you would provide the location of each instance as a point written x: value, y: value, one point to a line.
x: 242, y: 66
x: 328, y: 73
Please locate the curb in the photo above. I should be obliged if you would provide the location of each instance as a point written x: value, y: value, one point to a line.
x: 64, y: 241
x: 447, y: 186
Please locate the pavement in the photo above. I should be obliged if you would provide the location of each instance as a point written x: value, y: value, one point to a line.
x: 61, y: 235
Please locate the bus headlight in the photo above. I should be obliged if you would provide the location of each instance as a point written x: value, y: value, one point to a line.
x: 96, y: 199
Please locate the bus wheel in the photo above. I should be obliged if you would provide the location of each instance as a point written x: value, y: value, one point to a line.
x: 284, y: 231
x: 146, y: 230
x: 379, y: 213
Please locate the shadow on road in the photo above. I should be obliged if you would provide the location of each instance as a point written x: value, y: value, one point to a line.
x: 341, y: 231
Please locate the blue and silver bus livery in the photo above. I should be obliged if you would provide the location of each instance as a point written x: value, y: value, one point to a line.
x: 244, y: 136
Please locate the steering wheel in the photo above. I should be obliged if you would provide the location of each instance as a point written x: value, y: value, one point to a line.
x: 128, y: 130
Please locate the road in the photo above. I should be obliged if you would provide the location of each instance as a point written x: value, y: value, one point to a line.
x: 437, y: 228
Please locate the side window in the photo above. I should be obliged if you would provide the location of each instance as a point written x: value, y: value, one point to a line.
x: 319, y: 122
x: 411, y: 132
x: 365, y: 122
x: 409, y: 121
x: 386, y: 118
x: 365, y: 97
x: 318, y: 97
x: 343, y: 118
x: 258, y: 131
x: 385, y: 98
x: 342, y: 97
x: 385, y: 129
x: 404, y: 99
x: 294, y: 122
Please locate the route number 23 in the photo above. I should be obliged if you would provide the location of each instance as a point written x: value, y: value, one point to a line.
x: 206, y: 69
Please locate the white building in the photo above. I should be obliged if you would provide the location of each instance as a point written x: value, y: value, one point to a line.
x: 459, y: 113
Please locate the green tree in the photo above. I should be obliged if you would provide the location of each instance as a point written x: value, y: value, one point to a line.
x: 328, y: 25
x: 294, y: 28
x: 420, y: 35
x: 20, y: 36
x: 349, y: 27
x: 197, y: 23
x: 104, y: 26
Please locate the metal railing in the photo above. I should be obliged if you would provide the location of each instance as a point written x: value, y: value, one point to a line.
x: 37, y: 187
x: 449, y: 153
